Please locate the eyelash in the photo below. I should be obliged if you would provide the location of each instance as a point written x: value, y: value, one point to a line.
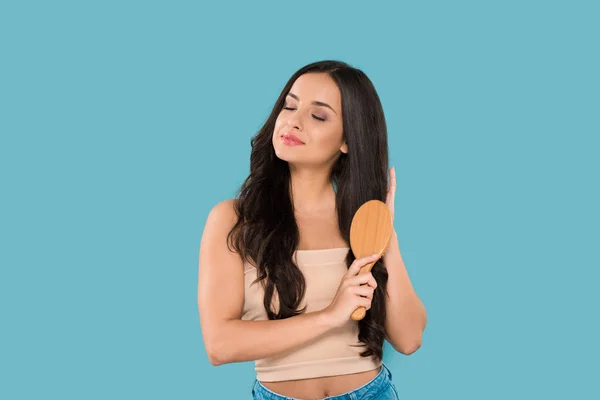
x: 317, y: 118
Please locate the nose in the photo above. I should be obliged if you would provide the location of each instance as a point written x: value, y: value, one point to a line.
x: 293, y: 120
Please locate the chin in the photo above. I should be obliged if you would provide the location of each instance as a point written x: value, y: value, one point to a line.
x: 284, y: 155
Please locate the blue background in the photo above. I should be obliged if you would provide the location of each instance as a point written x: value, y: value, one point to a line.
x: 123, y: 123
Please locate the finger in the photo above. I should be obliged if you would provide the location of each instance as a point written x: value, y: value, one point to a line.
x: 361, y: 279
x: 369, y: 280
x: 372, y: 282
x: 365, y: 291
x: 354, y: 268
x: 366, y: 303
x: 393, y: 179
x: 359, y: 263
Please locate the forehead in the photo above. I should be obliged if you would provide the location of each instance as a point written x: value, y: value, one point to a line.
x: 317, y: 87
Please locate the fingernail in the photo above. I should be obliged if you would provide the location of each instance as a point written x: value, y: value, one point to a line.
x: 375, y: 255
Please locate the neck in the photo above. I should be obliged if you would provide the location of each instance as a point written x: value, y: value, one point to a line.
x: 311, y: 190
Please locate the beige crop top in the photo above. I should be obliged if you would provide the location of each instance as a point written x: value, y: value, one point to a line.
x: 331, y: 353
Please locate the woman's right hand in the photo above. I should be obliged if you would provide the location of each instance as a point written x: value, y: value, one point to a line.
x: 350, y: 294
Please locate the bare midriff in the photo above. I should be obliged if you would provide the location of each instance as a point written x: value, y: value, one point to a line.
x: 319, y: 388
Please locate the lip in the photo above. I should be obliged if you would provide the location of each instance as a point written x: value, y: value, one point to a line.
x: 292, y: 138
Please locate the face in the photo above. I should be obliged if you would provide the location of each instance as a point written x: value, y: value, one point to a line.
x: 312, y: 113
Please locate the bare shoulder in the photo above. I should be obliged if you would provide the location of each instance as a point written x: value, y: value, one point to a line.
x: 221, y: 219
x: 223, y: 213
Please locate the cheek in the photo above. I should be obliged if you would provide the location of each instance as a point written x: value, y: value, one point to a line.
x: 278, y: 123
x: 330, y: 137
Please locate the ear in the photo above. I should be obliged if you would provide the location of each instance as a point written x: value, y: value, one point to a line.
x: 344, y: 148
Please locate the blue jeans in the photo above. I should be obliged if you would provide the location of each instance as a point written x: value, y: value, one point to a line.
x: 379, y: 388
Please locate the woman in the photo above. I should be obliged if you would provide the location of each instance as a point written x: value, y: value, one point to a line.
x: 278, y: 281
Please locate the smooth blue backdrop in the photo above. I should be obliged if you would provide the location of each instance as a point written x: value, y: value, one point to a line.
x: 123, y: 123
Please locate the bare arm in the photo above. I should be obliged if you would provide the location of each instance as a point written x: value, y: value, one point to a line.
x: 227, y: 337
x: 406, y: 316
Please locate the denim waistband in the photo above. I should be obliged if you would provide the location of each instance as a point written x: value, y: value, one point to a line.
x: 375, y: 385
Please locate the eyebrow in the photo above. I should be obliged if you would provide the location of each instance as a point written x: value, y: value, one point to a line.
x: 316, y: 103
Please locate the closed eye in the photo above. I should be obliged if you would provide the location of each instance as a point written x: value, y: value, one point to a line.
x: 314, y: 116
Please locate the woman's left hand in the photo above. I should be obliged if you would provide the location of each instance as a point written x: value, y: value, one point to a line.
x: 391, y: 194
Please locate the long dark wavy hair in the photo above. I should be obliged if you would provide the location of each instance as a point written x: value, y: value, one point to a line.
x: 266, y: 233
